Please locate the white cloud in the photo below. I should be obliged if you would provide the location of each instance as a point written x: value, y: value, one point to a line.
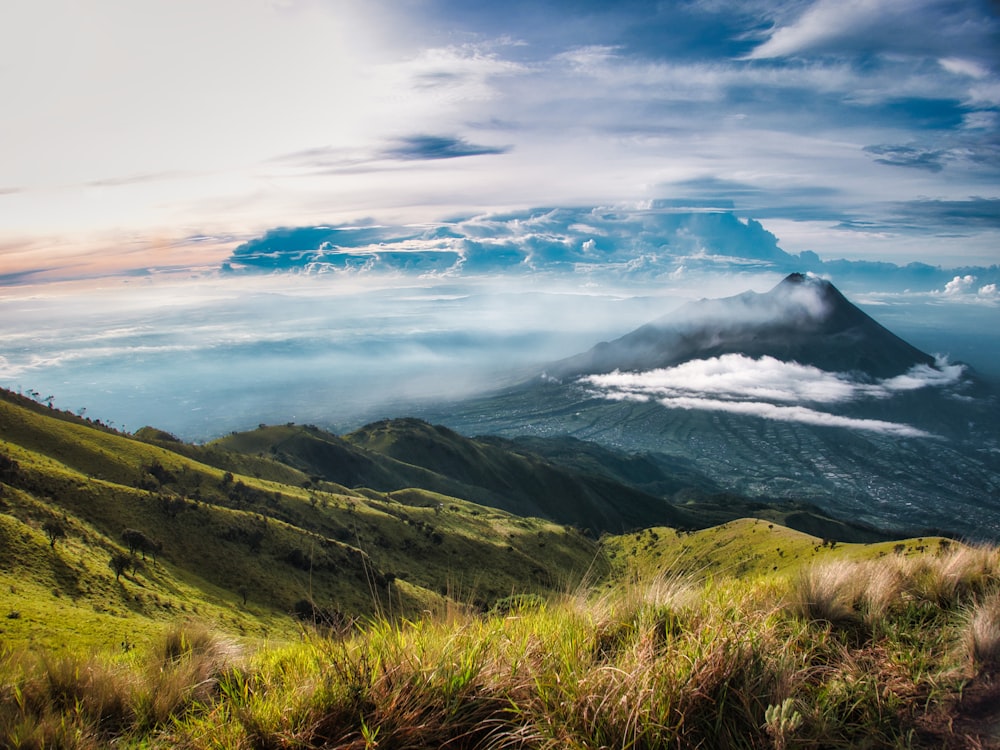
x: 738, y: 377
x: 823, y: 22
x: 176, y: 143
x: 739, y: 384
x: 909, y: 27
x: 962, y: 67
x: 800, y: 414
x: 960, y: 285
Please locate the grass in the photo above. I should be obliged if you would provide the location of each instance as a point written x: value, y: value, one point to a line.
x: 241, y: 552
x: 430, y: 621
x: 678, y: 661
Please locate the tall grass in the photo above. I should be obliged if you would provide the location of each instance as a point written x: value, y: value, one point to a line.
x: 82, y: 701
x: 983, y: 633
x: 855, y: 655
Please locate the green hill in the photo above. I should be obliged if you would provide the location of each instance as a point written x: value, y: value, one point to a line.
x: 160, y: 594
x: 564, y: 480
x: 244, y: 552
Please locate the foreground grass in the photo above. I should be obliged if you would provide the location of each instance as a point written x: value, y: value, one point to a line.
x: 897, y: 652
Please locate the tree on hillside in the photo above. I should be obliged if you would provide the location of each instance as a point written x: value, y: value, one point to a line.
x: 54, y: 529
x: 136, y: 541
x: 119, y: 563
x: 9, y: 468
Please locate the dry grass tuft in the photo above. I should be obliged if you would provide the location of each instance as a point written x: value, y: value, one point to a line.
x: 983, y: 633
x: 953, y: 576
x: 828, y: 593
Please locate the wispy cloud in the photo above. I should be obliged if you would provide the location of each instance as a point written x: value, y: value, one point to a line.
x: 778, y: 413
x: 882, y: 27
x: 429, y: 147
x: 907, y: 156
x: 769, y: 388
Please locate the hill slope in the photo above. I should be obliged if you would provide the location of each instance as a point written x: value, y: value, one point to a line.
x: 565, y: 481
x: 245, y: 553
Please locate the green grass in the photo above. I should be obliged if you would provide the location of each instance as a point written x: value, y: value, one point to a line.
x: 241, y: 552
x: 433, y: 621
x: 745, y: 547
x: 677, y: 661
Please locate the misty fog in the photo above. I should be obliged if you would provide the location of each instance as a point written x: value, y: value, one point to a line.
x: 202, y: 357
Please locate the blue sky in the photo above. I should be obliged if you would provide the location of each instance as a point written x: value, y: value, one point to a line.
x: 533, y: 176
x: 164, y: 133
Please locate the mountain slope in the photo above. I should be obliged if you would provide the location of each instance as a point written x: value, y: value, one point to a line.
x: 565, y: 481
x: 794, y: 394
x: 244, y: 553
x: 396, y: 454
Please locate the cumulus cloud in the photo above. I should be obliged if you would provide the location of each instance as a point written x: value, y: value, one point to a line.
x: 652, y: 240
x: 769, y: 388
x: 959, y: 285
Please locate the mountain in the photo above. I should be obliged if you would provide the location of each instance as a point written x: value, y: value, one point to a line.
x: 793, y: 394
x: 804, y: 319
x: 564, y: 481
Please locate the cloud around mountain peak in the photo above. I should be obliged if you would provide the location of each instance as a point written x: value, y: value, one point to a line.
x: 770, y: 388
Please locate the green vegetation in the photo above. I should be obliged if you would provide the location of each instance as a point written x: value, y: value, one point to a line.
x: 106, y: 539
x: 158, y: 594
x: 835, y: 657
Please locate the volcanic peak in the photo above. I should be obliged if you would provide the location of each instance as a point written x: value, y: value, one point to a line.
x: 803, y: 319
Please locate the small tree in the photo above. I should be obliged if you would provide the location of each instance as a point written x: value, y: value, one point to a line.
x: 119, y: 563
x: 136, y: 541
x: 54, y: 529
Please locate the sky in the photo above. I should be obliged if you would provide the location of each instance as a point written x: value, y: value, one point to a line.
x: 162, y: 134
x: 522, y: 179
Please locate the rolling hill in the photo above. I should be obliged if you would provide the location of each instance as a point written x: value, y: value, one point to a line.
x: 240, y: 594
x: 249, y: 552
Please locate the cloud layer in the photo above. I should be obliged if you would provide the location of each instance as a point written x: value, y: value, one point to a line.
x: 651, y: 242
x: 770, y: 388
x: 827, y: 115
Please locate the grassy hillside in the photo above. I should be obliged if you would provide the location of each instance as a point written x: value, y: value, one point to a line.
x: 250, y: 594
x: 247, y: 554
x: 564, y: 480
x: 883, y: 653
x: 396, y: 454
x: 746, y: 547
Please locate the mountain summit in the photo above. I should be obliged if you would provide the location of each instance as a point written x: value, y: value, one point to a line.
x: 803, y: 319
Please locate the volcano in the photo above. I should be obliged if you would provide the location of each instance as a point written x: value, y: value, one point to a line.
x: 804, y: 319
x: 795, y: 393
